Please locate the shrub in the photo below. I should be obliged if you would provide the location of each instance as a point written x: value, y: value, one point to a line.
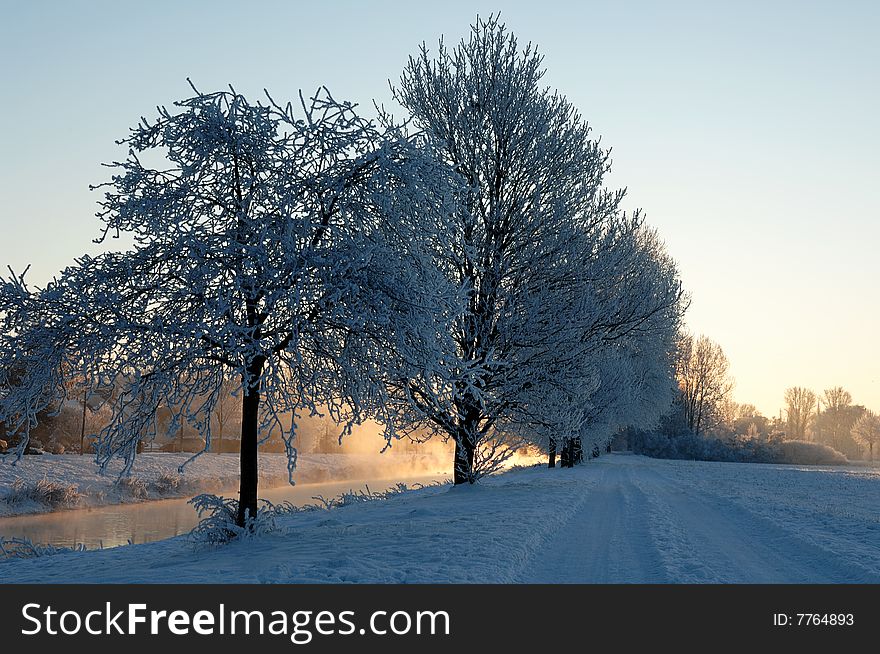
x: 52, y: 494
x: 132, y: 487
x: 359, y: 496
x: 219, y: 525
x: 734, y: 450
x: 166, y: 483
x: 24, y: 548
x: 814, y: 454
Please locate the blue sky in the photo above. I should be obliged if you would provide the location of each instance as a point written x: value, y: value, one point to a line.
x: 747, y: 131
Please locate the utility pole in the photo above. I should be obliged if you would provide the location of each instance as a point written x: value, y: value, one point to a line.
x: 82, y: 430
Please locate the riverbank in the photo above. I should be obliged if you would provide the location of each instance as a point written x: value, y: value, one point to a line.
x: 48, y: 482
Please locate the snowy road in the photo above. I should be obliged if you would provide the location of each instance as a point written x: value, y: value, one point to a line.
x: 620, y: 518
x: 646, y: 523
x: 607, y: 540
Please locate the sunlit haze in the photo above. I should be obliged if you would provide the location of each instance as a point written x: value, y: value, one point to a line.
x: 748, y: 133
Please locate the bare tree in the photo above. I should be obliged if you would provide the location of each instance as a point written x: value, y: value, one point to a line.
x: 836, y: 398
x: 799, y: 403
x: 702, y: 370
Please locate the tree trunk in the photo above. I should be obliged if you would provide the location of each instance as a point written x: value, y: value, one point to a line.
x: 250, y: 423
x: 551, y: 463
x: 466, y: 444
x: 464, y: 460
x: 565, y: 453
x: 577, y: 450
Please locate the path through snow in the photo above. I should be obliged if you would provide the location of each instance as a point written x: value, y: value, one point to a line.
x: 647, y: 523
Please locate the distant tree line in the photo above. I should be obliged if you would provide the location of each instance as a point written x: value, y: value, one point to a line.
x: 705, y: 422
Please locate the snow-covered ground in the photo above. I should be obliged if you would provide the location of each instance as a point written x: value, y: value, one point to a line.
x: 620, y: 518
x: 156, y: 475
x: 662, y: 521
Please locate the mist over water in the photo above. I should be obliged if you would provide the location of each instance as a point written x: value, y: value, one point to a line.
x: 144, y: 522
x: 359, y: 463
x: 370, y: 455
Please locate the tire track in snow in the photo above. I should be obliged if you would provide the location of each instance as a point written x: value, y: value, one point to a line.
x: 707, y: 538
x: 606, y: 540
x: 637, y: 524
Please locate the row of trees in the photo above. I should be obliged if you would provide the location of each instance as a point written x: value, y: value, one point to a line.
x: 467, y: 276
x: 704, y: 405
x: 831, y: 418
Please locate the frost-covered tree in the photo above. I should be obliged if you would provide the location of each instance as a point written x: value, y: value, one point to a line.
x: 286, y: 247
x: 866, y: 431
x: 541, y: 248
x: 833, y: 424
x: 634, y: 367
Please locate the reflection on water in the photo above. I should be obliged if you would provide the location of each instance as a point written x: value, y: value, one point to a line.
x: 110, y: 526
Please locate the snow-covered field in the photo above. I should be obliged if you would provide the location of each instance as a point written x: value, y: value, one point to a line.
x: 156, y: 477
x: 620, y: 518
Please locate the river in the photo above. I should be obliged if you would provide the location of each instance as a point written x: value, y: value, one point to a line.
x: 143, y: 522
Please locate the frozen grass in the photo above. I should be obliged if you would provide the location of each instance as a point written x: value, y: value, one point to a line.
x: 366, y: 495
x: 218, y: 524
x: 22, y: 548
x: 132, y: 487
x: 168, y: 484
x: 52, y: 495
